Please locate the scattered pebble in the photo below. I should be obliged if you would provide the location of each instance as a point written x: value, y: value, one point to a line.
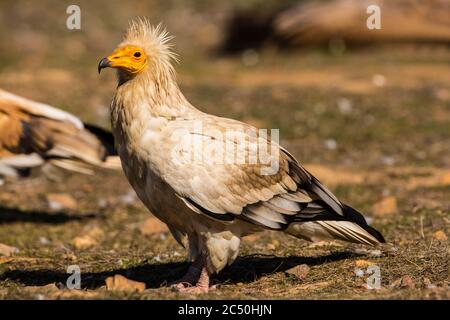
x: 388, y: 160
x: 84, y: 242
x: 300, y: 271
x: 379, y: 80
x: 330, y: 144
x: 8, y: 251
x: 445, y: 179
x: 385, y: 207
x: 43, y: 240
x: 405, y: 282
x: 152, y: 226
x: 60, y: 201
x: 344, y: 105
x: 89, y: 240
x: 128, y: 198
x: 363, y: 263
x: 102, y: 203
x: 440, y: 236
x: 442, y: 94
x: 120, y: 283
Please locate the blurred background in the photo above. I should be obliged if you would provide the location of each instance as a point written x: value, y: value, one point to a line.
x: 367, y: 111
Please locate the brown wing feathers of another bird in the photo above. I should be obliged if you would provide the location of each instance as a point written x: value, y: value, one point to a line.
x: 30, y: 128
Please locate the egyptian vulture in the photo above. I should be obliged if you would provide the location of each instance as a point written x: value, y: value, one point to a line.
x: 197, y: 172
x: 34, y: 134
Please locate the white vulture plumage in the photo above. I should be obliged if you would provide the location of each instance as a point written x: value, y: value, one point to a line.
x: 34, y: 134
x: 169, y: 152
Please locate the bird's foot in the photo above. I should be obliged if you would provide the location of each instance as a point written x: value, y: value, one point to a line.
x: 189, y: 279
x: 195, y: 281
x: 180, y: 285
x: 197, y: 289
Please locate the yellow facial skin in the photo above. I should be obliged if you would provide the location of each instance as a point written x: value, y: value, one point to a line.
x: 130, y: 59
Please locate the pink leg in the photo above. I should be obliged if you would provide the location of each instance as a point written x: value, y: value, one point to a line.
x: 196, y: 279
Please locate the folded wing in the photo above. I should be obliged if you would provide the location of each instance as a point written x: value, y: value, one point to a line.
x: 225, y: 190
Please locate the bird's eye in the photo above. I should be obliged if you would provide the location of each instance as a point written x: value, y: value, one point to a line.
x: 137, y: 54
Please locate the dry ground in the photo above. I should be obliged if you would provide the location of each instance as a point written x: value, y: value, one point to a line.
x: 373, y: 124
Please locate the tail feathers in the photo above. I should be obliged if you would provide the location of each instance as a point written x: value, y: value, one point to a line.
x: 352, y: 227
x: 359, y: 219
x: 332, y: 230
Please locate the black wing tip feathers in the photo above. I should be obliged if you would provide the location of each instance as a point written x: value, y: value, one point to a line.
x: 354, y: 216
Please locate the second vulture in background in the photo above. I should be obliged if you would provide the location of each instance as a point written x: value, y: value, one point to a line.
x: 34, y: 134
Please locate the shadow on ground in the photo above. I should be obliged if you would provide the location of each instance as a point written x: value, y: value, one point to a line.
x: 245, y: 269
x: 13, y: 215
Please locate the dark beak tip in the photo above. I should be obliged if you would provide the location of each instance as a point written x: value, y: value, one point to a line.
x: 104, y: 63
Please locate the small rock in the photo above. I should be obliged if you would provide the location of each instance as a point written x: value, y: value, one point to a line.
x: 363, y: 263
x: 120, y: 283
x: 96, y: 233
x: 88, y: 188
x: 102, y: 203
x: 379, y: 80
x: 300, y: 271
x: 275, y: 243
x: 90, y: 239
x: 440, y: 236
x: 70, y: 256
x: 445, y: 179
x: 43, y: 240
x: 8, y: 251
x: 405, y: 282
x: 330, y: 144
x: 84, y: 242
x: 152, y: 226
x: 385, y: 207
x: 59, y: 201
x: 5, y: 260
x: 128, y: 198
x: 388, y: 160
x: 270, y: 246
x: 344, y: 105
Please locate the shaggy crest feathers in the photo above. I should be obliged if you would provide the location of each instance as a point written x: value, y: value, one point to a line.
x: 155, y: 39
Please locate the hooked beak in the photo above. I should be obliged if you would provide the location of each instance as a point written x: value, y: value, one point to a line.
x: 104, y: 63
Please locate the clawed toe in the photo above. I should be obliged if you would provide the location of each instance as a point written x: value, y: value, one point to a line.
x: 193, y: 289
x: 177, y: 286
